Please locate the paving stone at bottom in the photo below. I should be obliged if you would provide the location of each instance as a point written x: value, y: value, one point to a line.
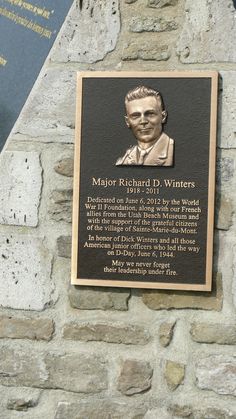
x: 166, y: 300
x: 99, y: 409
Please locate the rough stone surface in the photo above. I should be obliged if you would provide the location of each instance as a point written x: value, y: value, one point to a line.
x: 217, y: 373
x: 161, y: 3
x: 20, y: 190
x: 103, y: 21
x: 77, y: 372
x: 99, y: 409
x: 64, y: 246
x: 49, y: 116
x: 214, y: 413
x: 166, y: 300
x: 87, y: 298
x: 26, y: 269
x: 72, y: 372
x: 225, y: 169
x: 25, y: 328
x: 145, y: 52
x: 214, y: 333
x: 191, y: 412
x: 204, y: 38
x: 61, y: 205
x: 103, y: 332
x: 181, y: 411
x: 19, y: 402
x: 135, y: 377
x: 227, y: 133
x: 21, y: 405
x: 65, y: 167
x: 224, y: 213
x: 174, y: 374
x: 166, y: 332
x: 19, y: 368
x: 160, y: 413
x: 151, y: 24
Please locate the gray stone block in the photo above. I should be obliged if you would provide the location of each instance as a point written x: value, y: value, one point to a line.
x: 49, y: 115
x: 26, y: 328
x: 151, y: 24
x: 135, y: 377
x: 65, y: 167
x: 76, y: 372
x: 107, y: 332
x: 25, y: 272
x: 224, y: 213
x: 223, y: 334
x: 146, y: 52
x: 100, y: 409
x: 166, y: 300
x: 72, y: 372
x: 61, y: 205
x: 192, y: 412
x: 208, y: 32
x: 225, y: 169
x: 98, y: 298
x: 227, y: 131
x: 64, y: 246
x: 166, y: 332
x: 161, y: 3
x: 217, y: 373
x: 174, y: 374
x: 90, y: 32
x: 20, y: 189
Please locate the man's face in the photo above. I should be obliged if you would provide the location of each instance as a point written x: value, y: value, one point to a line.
x: 145, y: 118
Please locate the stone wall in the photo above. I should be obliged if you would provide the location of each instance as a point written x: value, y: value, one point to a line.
x: 75, y: 353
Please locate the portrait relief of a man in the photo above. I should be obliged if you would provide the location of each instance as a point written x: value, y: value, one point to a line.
x: 145, y: 116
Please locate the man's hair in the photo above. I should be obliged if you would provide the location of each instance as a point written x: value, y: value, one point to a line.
x: 141, y: 92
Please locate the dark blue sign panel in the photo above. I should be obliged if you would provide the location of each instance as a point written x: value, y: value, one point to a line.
x: 27, y: 32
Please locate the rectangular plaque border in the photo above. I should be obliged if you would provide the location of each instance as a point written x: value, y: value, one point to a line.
x: 211, y: 180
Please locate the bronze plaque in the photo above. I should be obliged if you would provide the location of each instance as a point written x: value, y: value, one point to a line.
x: 144, y: 177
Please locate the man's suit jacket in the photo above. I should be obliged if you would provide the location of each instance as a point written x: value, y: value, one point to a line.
x: 161, y: 154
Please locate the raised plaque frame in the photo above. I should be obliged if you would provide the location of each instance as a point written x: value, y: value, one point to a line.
x: 197, y: 90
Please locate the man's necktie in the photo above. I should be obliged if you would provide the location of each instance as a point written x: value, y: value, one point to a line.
x: 142, y: 154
